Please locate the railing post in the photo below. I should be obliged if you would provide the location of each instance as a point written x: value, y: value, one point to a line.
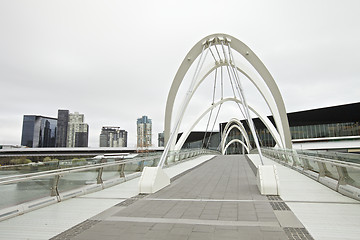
x: 99, y: 176
x: 343, y: 176
x: 295, y: 158
x: 141, y: 167
x: 121, y: 170
x: 322, y: 170
x: 341, y: 180
x: 54, y: 188
x: 154, y: 162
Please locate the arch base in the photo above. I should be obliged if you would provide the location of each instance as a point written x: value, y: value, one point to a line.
x: 153, y: 179
x: 267, y: 180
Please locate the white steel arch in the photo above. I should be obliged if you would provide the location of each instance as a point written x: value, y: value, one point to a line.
x: 234, y: 141
x: 249, y: 55
x: 259, y: 84
x: 234, y: 123
x: 262, y: 117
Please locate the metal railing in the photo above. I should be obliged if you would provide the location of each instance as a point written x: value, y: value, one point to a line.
x: 341, y: 174
x: 28, y: 187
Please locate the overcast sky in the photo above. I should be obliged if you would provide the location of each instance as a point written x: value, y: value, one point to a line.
x: 114, y: 61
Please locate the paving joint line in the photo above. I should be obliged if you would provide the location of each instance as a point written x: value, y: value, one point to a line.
x: 194, y: 221
x: 208, y: 200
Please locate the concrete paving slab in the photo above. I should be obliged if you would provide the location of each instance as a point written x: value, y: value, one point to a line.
x: 218, y: 200
x: 325, y: 213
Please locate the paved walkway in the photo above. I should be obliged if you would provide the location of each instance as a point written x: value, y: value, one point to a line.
x: 218, y: 200
x: 49, y: 221
x: 326, y: 214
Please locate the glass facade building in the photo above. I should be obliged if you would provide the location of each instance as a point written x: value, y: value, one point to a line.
x: 336, y: 121
x: 318, y: 124
x: 38, y: 131
x: 62, y: 128
x: 144, y: 132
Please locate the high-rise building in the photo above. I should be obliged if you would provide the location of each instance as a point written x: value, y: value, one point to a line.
x: 161, y: 139
x: 144, y: 132
x: 113, y: 137
x: 62, y: 128
x: 38, y: 131
x: 77, y: 131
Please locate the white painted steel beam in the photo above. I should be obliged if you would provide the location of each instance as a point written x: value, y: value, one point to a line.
x: 278, y: 109
x: 262, y: 117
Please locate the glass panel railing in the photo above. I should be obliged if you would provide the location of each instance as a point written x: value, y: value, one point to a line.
x: 331, y: 171
x: 75, y: 180
x: 353, y: 177
x: 313, y: 166
x: 24, y: 191
x: 24, y: 183
x: 111, y: 172
x: 342, y: 169
x: 346, y: 157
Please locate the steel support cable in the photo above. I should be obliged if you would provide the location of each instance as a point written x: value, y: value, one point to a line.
x: 222, y: 96
x: 212, y: 110
x: 213, y: 55
x: 213, y: 100
x: 232, y: 87
x: 222, y: 83
x: 218, y: 52
x: 250, y: 121
x: 232, y: 76
x: 227, y: 67
x: 240, y: 108
x: 212, y: 129
x: 183, y: 106
x: 228, y: 60
x: 231, y: 81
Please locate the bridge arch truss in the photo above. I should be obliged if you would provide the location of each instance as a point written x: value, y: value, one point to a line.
x: 258, y: 75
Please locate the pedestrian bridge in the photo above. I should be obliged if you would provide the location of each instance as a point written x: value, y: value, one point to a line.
x: 210, y: 196
x: 198, y: 193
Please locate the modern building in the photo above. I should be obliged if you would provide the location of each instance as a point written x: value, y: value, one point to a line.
x: 161, y: 139
x: 62, y: 128
x: 144, y: 132
x: 113, y: 137
x: 78, y: 131
x: 329, y: 124
x: 38, y: 131
x: 335, y: 128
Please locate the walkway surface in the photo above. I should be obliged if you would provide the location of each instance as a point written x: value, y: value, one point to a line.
x: 209, y: 198
x: 217, y: 200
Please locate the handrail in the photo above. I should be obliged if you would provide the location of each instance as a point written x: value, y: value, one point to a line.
x: 28, y: 176
x: 339, y: 175
x: 322, y: 159
x: 55, y: 190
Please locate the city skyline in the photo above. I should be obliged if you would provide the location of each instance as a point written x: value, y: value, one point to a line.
x: 67, y: 123
x: 117, y: 60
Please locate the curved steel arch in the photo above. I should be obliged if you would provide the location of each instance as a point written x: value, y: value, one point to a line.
x: 262, y: 117
x: 234, y: 141
x: 250, y: 56
x: 257, y: 83
x: 227, y: 129
x: 226, y: 136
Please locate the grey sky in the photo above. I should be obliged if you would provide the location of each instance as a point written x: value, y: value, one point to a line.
x: 114, y: 61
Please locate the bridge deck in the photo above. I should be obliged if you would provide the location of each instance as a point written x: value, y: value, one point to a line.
x: 218, y: 200
x: 214, y: 201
